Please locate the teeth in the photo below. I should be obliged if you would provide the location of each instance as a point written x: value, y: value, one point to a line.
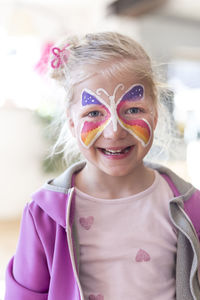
x: 114, y: 151
x: 111, y: 153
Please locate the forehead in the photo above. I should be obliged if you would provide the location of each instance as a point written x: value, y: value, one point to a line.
x: 109, y: 84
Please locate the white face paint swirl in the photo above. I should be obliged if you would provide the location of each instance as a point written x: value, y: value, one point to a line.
x: 112, y: 106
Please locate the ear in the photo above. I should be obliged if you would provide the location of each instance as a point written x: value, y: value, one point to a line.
x: 71, y: 123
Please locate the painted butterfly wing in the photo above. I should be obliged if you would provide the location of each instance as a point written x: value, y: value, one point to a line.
x: 91, y: 130
x: 139, y: 128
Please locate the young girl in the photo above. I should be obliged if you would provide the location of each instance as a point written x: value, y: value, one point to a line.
x: 111, y: 226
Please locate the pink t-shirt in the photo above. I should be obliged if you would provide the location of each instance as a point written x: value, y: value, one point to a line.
x: 127, y: 245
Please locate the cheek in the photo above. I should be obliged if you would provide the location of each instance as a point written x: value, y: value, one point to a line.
x: 90, y: 131
x: 140, y: 128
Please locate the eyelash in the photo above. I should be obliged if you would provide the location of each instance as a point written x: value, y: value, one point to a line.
x: 94, y: 114
x: 136, y: 110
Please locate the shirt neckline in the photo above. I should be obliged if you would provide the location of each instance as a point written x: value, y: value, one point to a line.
x: 146, y: 192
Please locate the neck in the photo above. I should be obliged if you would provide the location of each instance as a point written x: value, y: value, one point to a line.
x: 102, y: 185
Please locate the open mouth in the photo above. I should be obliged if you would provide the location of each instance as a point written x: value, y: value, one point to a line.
x: 116, y: 152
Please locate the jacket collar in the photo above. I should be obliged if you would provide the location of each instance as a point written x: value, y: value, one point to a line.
x: 53, y: 197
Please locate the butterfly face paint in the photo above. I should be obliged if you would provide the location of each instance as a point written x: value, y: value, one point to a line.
x: 91, y: 130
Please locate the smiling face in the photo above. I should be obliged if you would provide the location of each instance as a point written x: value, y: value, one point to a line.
x: 113, y: 120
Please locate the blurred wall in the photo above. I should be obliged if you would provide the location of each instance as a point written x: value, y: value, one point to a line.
x: 21, y: 153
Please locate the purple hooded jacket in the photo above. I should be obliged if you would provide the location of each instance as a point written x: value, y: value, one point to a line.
x: 45, y: 265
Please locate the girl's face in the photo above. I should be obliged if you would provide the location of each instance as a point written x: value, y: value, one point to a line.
x: 113, y: 120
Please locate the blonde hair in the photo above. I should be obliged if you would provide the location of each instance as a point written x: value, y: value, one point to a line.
x: 110, y: 53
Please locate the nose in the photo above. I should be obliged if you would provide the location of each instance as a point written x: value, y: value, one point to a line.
x: 110, y: 133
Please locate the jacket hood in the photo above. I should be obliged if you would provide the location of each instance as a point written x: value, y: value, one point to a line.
x: 53, y: 196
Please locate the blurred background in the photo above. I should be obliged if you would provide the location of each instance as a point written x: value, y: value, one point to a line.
x: 168, y: 29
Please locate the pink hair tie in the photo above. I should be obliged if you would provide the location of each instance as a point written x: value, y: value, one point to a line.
x: 61, y: 55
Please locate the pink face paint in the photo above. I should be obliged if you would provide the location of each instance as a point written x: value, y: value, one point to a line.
x: 91, y: 130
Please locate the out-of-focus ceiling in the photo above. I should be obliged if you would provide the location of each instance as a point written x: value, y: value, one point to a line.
x: 161, y: 28
x: 187, y: 9
x: 44, y: 18
x: 134, y: 8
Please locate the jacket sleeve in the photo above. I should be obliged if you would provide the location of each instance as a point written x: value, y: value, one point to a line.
x: 27, y: 275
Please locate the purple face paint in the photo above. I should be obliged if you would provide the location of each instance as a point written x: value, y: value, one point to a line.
x: 88, y: 99
x: 134, y: 94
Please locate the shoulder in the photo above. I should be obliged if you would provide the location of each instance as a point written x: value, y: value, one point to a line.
x: 179, y: 186
x: 51, y: 200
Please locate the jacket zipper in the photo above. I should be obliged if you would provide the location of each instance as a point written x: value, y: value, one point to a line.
x: 70, y: 243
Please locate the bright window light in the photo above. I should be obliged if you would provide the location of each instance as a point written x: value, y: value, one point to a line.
x: 21, y: 84
x: 2, y: 289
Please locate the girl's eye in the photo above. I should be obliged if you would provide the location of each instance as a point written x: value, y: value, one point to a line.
x: 94, y: 114
x: 133, y: 110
